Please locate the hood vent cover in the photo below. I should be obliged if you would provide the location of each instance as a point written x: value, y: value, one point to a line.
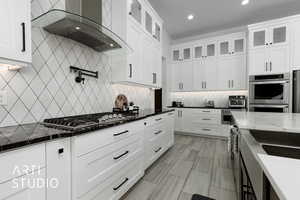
x: 82, y: 30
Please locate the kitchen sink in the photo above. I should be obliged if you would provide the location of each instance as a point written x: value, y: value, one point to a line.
x: 288, y: 152
x: 276, y: 138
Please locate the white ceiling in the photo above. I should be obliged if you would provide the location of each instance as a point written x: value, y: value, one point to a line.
x: 215, y: 15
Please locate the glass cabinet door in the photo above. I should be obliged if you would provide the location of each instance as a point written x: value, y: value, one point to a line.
x: 186, y: 53
x: 136, y: 10
x: 224, y: 48
x: 211, y: 50
x: 198, y: 52
x: 148, y: 22
x: 259, y: 38
x: 279, y: 35
x: 157, y: 32
x: 176, y: 55
x: 238, y: 46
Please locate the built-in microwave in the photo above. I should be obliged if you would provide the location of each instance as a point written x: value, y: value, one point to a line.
x: 269, y: 89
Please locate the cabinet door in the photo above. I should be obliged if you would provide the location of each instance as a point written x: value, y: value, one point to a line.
x: 198, y: 52
x: 238, y: 46
x: 15, y: 22
x: 24, y: 187
x: 258, y: 63
x: 135, y: 10
x: 59, y: 167
x: 157, y: 32
x: 187, y: 53
x: 210, y: 73
x: 176, y: 77
x: 278, y: 60
x: 224, y: 48
x: 148, y: 23
x: 199, y: 74
x: 258, y: 38
x: 148, y: 60
x: 210, y: 50
x: 157, y: 65
x: 176, y: 55
x: 134, y: 39
x: 225, y: 73
x: 279, y: 35
x: 295, y: 43
x: 187, y: 75
x: 170, y: 124
x: 178, y: 120
x: 239, y: 74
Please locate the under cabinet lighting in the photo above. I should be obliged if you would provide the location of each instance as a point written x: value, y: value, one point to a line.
x: 190, y: 17
x: 245, y: 2
x: 6, y: 67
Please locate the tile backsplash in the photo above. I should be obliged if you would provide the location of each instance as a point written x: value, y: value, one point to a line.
x: 48, y: 89
x: 199, y: 98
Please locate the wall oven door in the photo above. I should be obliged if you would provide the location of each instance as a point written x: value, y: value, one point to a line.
x: 270, y: 92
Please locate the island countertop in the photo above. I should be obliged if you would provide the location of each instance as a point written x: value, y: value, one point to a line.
x: 286, y: 122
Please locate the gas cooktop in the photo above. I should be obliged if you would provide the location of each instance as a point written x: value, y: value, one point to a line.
x: 85, y: 123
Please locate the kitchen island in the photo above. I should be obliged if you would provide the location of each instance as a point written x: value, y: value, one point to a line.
x: 282, y: 173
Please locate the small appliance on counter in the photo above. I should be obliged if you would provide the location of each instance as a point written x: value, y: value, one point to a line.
x: 122, y: 105
x: 237, y: 102
x: 177, y: 104
x: 210, y: 104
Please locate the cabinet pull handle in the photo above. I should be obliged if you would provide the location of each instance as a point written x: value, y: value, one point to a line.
x: 158, y: 119
x: 206, y: 119
x: 130, y: 70
x: 170, y: 113
x: 206, y: 129
x: 266, y: 66
x: 270, y: 66
x: 121, y: 133
x: 61, y: 151
x: 154, y: 78
x: 120, y: 156
x: 232, y: 84
x: 157, y: 150
x: 205, y: 85
x: 116, y: 188
x: 228, y: 83
x: 206, y: 111
x: 23, y: 37
x: 158, y: 132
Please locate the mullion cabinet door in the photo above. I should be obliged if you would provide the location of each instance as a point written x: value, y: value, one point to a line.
x: 136, y: 10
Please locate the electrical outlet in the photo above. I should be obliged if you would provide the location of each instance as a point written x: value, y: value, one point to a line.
x: 3, y: 97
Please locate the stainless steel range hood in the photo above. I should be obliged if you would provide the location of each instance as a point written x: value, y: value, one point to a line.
x: 82, y: 22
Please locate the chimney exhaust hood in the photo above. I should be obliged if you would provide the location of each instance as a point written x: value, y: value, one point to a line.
x: 82, y: 22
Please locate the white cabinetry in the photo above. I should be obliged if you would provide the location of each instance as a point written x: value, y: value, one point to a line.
x: 200, y: 122
x: 143, y: 34
x: 295, y: 44
x: 15, y: 40
x: 269, y: 48
x: 211, y: 64
x: 58, y: 154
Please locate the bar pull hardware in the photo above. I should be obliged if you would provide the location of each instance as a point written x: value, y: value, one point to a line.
x: 121, y: 133
x: 23, y: 37
x: 130, y: 70
x: 116, y: 188
x: 120, y: 156
x: 158, y: 132
x: 158, y: 119
x: 158, y: 150
x: 206, y: 119
x: 270, y: 66
x: 206, y: 129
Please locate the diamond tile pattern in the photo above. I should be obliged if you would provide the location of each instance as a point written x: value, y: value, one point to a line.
x: 48, y: 89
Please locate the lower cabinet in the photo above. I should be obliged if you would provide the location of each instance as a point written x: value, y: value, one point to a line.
x: 201, y: 122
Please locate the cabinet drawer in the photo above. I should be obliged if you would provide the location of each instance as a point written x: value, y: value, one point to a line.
x: 203, y: 129
x: 24, y: 159
x: 95, y: 167
x: 207, y: 120
x: 90, y: 142
x: 117, y: 184
x: 206, y: 111
x: 158, y: 119
x: 22, y: 187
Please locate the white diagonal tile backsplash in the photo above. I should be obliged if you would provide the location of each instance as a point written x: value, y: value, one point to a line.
x: 48, y: 89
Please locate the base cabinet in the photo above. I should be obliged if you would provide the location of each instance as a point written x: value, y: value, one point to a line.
x: 201, y: 122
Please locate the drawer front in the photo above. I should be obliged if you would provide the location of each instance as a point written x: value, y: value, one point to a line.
x: 156, y: 119
x: 90, y: 142
x: 22, y: 188
x: 156, y: 130
x: 117, y: 184
x: 17, y: 162
x: 97, y: 166
x: 203, y: 129
x: 203, y: 111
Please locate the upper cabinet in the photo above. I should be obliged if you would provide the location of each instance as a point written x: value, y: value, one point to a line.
x: 269, y: 48
x: 211, y: 64
x: 295, y: 44
x: 135, y: 7
x: 15, y: 40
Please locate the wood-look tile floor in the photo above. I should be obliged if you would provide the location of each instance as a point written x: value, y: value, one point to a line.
x: 193, y: 165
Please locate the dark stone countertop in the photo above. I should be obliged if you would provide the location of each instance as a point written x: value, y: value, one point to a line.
x: 203, y: 107
x: 22, y: 135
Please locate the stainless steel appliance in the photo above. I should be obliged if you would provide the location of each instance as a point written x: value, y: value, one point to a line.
x: 237, y: 101
x: 296, y: 91
x: 269, y: 93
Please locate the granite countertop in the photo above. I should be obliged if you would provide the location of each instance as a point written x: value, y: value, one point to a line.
x: 284, y: 122
x: 283, y: 174
x: 26, y: 134
x: 203, y: 107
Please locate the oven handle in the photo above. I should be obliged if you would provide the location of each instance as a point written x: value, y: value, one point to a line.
x: 269, y: 106
x: 269, y: 82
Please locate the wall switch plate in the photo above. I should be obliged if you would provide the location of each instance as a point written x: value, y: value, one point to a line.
x: 3, y: 97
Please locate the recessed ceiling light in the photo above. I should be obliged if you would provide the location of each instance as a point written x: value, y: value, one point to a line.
x: 77, y: 28
x: 111, y: 44
x: 190, y: 17
x: 245, y: 2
